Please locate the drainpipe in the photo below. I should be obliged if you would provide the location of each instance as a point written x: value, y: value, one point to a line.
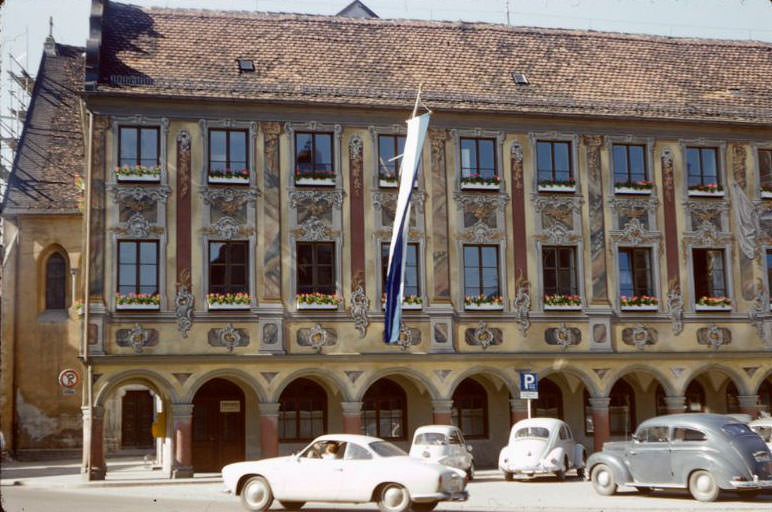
x: 86, y: 389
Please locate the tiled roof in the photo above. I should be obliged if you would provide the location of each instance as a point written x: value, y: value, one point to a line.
x: 50, y: 152
x: 464, y: 66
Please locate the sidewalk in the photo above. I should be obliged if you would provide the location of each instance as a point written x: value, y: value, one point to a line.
x: 121, y: 472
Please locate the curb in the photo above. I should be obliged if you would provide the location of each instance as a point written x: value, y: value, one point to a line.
x: 43, y: 483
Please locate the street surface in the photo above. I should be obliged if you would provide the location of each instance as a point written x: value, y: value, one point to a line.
x: 489, y: 492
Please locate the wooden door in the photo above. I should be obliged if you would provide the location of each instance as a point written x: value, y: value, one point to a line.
x: 218, y: 426
x: 137, y: 419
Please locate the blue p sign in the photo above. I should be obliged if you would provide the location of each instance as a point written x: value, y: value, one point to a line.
x: 529, y: 385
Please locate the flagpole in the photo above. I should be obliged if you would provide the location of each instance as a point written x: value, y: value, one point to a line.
x: 417, y: 100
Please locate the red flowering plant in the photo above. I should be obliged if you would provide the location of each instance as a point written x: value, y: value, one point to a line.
x: 479, y: 179
x: 386, y: 176
x: 307, y: 172
x: 638, y: 300
x: 229, y: 173
x: 635, y: 185
x: 133, y: 171
x: 137, y: 299
x: 238, y: 298
x: 712, y: 188
x: 318, y: 298
x: 714, y: 301
x: 479, y: 300
x: 408, y: 299
x: 562, y: 300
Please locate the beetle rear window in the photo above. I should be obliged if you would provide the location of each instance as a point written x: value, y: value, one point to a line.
x: 430, y: 438
x: 539, y: 432
x: 385, y: 449
x: 736, y: 429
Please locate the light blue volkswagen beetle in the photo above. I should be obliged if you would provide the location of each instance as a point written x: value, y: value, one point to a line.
x: 705, y: 453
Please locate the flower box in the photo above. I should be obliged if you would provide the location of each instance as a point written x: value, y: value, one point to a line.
x: 620, y: 189
x: 563, y: 307
x: 315, y: 181
x: 480, y: 186
x: 407, y: 306
x: 388, y: 183
x: 705, y: 193
x: 138, y: 173
x: 640, y: 307
x: 485, y: 306
x: 139, y: 177
x: 223, y: 306
x: 229, y: 180
x: 703, y: 307
x: 556, y: 188
x: 766, y: 194
x: 306, y: 305
x: 138, y: 307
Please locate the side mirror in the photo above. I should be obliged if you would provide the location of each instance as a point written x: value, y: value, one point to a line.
x: 469, y: 448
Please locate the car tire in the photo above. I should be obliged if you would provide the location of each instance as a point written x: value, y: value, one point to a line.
x: 393, y: 498
x: 603, y: 480
x: 702, y: 486
x: 580, y: 473
x: 470, y: 472
x: 509, y: 476
x: 561, y: 473
x: 256, y: 494
x: 424, y: 507
x: 292, y: 505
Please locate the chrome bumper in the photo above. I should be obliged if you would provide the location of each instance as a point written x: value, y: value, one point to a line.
x: 442, y: 496
x: 530, y: 470
x: 752, y: 484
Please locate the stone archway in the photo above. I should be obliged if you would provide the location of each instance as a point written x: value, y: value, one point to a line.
x: 218, y: 425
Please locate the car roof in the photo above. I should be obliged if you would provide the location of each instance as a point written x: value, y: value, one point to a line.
x: 549, y: 423
x: 693, y: 419
x: 436, y: 428
x: 349, y: 438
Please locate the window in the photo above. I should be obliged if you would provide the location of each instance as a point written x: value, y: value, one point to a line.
x: 635, y: 274
x: 316, y: 267
x: 481, y: 271
x: 384, y: 410
x: 356, y: 452
x: 683, y: 434
x: 470, y: 409
x: 228, y: 155
x: 56, y: 282
x: 709, y: 273
x: 390, y: 149
x: 550, y: 401
x: 656, y: 434
x: 313, y: 157
x: 765, y: 172
x: 138, y: 146
x: 695, y: 397
x: 553, y: 163
x: 478, y: 161
x: 621, y: 409
x: 411, y: 286
x: 302, y: 411
x: 629, y: 164
x: 137, y: 267
x: 228, y: 267
x: 702, y: 167
x: 559, y: 270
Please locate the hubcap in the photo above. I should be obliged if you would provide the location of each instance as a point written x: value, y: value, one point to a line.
x: 603, y: 478
x: 393, y: 497
x: 255, y: 494
x: 704, y: 483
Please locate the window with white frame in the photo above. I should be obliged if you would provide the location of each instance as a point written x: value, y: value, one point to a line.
x: 478, y: 163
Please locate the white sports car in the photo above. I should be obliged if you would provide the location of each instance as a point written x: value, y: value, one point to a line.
x: 541, y: 446
x: 345, y: 468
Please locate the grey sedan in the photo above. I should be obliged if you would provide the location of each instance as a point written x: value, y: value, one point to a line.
x: 704, y: 453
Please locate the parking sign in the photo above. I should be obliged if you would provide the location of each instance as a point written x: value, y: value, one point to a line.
x: 529, y: 385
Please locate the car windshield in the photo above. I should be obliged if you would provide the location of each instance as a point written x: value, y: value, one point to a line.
x: 736, y: 429
x: 764, y: 432
x: 539, y: 432
x: 430, y: 438
x: 385, y: 449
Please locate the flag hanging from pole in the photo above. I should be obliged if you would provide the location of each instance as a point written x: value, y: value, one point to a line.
x: 416, y: 133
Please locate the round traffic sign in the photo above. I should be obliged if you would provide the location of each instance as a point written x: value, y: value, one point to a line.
x: 69, y: 378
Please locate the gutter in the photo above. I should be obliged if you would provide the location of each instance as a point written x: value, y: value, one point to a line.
x: 87, y: 382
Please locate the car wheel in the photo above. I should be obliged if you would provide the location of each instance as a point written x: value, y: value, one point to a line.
x: 509, y: 476
x: 256, y: 494
x: 470, y: 472
x: 603, y: 480
x: 393, y: 498
x: 702, y: 486
x: 424, y: 507
x: 292, y: 505
x: 561, y: 473
x: 580, y: 473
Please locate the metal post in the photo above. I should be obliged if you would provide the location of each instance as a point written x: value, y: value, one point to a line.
x: 529, y: 408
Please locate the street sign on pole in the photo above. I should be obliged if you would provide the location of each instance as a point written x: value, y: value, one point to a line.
x: 529, y: 385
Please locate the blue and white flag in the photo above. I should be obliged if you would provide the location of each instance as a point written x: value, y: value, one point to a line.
x: 416, y: 133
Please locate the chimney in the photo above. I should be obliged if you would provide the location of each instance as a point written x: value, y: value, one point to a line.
x: 49, y: 47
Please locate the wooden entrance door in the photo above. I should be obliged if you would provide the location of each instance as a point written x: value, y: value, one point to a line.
x: 218, y: 425
x: 137, y: 419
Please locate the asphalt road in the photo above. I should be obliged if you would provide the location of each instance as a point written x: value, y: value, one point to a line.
x: 488, y: 493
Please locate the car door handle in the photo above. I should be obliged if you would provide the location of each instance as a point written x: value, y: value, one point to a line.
x: 633, y: 453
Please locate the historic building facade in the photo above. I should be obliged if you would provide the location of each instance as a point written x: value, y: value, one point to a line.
x: 578, y: 214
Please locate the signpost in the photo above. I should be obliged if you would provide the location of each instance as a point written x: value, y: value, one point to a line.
x: 69, y: 379
x: 529, y: 388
